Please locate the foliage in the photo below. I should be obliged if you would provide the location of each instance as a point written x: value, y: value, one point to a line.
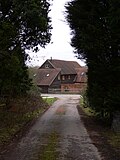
x: 35, y: 90
x: 95, y: 26
x: 32, y: 74
x: 28, y: 21
x: 14, y: 77
x: 23, y: 25
x: 85, y: 107
x: 22, y: 111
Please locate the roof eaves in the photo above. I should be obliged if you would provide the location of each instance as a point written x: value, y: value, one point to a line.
x: 51, y: 63
x: 54, y: 78
x: 42, y: 64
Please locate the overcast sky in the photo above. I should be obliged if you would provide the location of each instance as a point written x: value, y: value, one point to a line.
x: 60, y: 47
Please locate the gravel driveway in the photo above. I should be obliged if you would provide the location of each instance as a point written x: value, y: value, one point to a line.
x: 58, y: 134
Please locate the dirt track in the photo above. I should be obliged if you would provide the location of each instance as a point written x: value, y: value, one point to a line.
x: 58, y: 135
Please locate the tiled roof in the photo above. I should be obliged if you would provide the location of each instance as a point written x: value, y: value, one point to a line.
x: 81, y: 75
x: 67, y: 67
x: 46, y: 76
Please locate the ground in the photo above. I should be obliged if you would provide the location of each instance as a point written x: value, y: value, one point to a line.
x: 60, y: 134
x: 97, y: 131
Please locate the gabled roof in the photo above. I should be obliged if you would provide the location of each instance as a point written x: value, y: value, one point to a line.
x: 67, y: 67
x: 45, y: 77
x: 81, y: 75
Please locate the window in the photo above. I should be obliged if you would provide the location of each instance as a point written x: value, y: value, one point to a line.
x: 63, y: 78
x: 58, y: 77
x: 69, y: 77
x: 46, y: 65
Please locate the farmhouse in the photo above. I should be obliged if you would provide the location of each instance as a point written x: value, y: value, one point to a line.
x: 61, y: 76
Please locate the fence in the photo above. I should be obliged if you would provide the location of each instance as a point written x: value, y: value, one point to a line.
x: 65, y: 91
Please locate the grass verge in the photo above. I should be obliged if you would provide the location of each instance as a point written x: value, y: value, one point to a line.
x: 113, y: 139
x: 103, y: 137
x: 49, y: 101
x: 22, y: 110
x: 88, y: 111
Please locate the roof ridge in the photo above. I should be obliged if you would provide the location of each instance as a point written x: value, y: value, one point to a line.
x: 54, y: 78
x: 62, y: 60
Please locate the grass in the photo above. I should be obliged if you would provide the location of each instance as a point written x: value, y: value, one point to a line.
x: 88, y: 111
x: 49, y: 101
x: 48, y: 152
x: 112, y: 137
x: 21, y: 111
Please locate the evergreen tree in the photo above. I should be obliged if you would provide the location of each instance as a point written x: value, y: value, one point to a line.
x: 23, y: 25
x: 95, y: 26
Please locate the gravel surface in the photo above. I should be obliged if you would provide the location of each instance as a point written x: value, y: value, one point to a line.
x: 62, y: 122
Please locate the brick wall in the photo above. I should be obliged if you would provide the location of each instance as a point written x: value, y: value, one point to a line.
x: 73, y: 88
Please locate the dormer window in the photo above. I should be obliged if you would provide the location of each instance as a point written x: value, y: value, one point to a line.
x: 83, y: 73
x: 46, y: 65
